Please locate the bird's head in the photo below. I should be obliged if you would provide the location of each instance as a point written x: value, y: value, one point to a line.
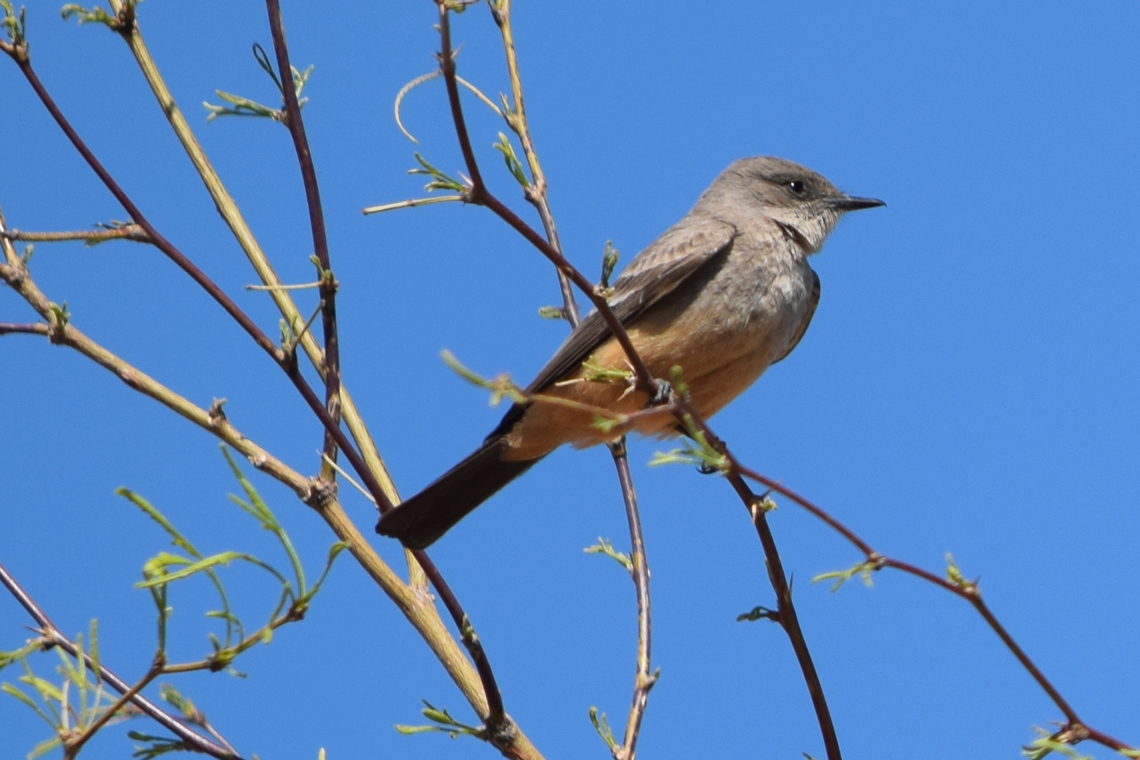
x: 804, y: 203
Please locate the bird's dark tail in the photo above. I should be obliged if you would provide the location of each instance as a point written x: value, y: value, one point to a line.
x: 422, y: 519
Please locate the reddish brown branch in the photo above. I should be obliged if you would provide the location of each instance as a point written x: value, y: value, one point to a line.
x: 639, y: 572
x: 786, y: 615
x: 478, y: 194
x: 136, y: 215
x: 328, y: 285
x: 496, y: 718
x: 968, y: 591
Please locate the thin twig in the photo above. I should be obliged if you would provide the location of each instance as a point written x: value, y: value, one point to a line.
x: 478, y: 194
x: 787, y: 617
x: 291, y: 346
x: 72, y: 746
x: 296, y: 126
x: 296, y: 286
x: 125, y: 232
x: 427, y: 78
x: 639, y: 572
x: 967, y: 591
x: 536, y: 193
x: 233, y: 219
x: 412, y: 203
x: 12, y: 328
x: 53, y: 637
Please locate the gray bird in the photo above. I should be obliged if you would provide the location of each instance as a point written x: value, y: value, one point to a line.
x: 723, y: 294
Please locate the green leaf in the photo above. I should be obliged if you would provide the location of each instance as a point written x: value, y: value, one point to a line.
x: 609, y: 261
x: 602, y: 726
x: 513, y: 165
x: 605, y: 547
x: 223, y: 558
x: 862, y: 569
x: 153, y: 513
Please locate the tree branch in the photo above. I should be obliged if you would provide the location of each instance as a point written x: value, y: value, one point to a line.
x: 416, y: 606
x: 639, y: 572
x: 516, y: 118
x: 786, y: 615
x: 478, y: 194
x: 233, y: 219
x: 52, y: 637
x: 328, y: 283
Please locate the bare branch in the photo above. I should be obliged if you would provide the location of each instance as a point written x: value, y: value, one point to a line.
x: 639, y: 572
x: 91, y: 237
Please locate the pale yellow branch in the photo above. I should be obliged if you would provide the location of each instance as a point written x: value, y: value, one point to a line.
x: 412, y: 203
x: 427, y: 78
x: 412, y: 600
x: 245, y: 238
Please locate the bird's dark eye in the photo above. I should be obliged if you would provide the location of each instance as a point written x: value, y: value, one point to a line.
x: 796, y: 186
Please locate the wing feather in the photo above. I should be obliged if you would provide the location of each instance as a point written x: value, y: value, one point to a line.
x: 652, y: 274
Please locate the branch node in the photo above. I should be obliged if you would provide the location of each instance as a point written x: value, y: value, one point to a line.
x: 259, y: 460
x: 322, y: 493
x: 57, y: 329
x: 216, y: 413
x: 501, y: 731
x: 128, y: 375
x: 761, y: 504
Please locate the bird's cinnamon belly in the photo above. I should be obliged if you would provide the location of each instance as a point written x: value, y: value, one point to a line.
x: 721, y: 329
x: 716, y: 366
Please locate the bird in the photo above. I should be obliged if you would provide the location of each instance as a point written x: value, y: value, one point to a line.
x: 723, y: 294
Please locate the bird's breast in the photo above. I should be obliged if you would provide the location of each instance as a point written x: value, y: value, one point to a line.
x: 731, y: 323
x: 722, y: 327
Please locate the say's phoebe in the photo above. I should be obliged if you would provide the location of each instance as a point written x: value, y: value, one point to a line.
x: 724, y: 293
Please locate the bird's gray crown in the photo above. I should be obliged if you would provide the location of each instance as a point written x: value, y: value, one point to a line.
x: 798, y: 199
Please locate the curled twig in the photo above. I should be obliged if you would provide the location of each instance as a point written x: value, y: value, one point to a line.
x: 427, y: 78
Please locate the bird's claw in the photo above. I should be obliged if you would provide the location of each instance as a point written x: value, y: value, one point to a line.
x: 662, y: 392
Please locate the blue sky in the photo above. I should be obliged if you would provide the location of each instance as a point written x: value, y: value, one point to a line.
x: 968, y: 385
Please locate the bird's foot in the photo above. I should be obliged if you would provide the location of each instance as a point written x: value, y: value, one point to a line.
x: 662, y: 393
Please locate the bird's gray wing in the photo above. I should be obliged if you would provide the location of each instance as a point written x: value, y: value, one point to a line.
x: 813, y: 301
x: 656, y: 271
x: 652, y: 274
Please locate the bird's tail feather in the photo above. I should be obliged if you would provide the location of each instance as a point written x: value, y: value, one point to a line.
x: 422, y: 519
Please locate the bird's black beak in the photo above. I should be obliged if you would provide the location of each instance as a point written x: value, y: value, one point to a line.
x: 847, y: 203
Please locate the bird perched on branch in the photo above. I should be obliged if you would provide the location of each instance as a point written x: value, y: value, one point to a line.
x: 723, y: 294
